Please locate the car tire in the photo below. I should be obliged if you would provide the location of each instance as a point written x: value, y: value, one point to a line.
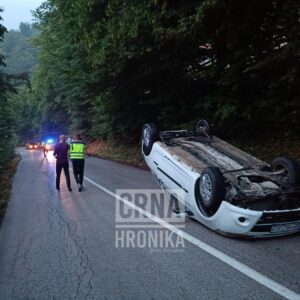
x: 291, y: 168
x: 203, y: 127
x: 211, y: 191
x: 149, y: 137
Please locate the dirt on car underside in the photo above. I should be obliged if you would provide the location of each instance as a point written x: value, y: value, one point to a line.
x: 213, y: 152
x: 251, y: 186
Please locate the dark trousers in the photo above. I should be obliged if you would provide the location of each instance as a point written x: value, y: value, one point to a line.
x: 59, y: 167
x: 78, y: 170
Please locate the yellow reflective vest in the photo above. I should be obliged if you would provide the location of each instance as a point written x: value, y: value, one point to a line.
x: 77, y: 150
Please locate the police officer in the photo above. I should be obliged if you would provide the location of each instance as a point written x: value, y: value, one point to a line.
x: 77, y: 156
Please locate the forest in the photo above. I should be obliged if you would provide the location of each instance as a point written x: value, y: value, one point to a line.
x: 106, y: 67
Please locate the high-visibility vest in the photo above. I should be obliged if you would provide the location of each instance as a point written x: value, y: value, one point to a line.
x: 77, y: 150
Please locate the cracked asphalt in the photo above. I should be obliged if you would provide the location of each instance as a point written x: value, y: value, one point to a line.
x: 61, y: 245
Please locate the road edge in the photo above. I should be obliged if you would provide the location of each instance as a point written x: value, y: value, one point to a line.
x: 6, y: 182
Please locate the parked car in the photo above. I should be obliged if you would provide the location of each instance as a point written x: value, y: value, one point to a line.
x: 225, y: 189
x: 32, y: 145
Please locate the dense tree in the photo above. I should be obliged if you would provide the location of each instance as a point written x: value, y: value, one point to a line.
x: 20, y: 54
x: 108, y: 66
x: 20, y: 58
x: 7, y: 112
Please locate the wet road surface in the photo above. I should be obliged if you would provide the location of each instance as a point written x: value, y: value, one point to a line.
x: 62, y: 245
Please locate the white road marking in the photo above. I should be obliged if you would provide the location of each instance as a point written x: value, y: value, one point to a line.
x: 242, y: 268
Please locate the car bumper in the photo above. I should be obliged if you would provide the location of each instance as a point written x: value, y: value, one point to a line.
x: 276, y: 223
x: 235, y: 221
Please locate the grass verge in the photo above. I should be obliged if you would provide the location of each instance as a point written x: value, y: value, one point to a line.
x: 265, y: 148
x: 117, y: 151
x: 268, y: 148
x: 6, y: 183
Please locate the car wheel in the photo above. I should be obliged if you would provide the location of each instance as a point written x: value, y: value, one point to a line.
x: 149, y: 137
x: 203, y: 127
x: 289, y: 170
x: 211, y: 191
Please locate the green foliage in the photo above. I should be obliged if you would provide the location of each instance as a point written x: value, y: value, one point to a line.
x: 108, y: 66
x: 20, y: 54
x: 20, y: 61
x: 7, y: 113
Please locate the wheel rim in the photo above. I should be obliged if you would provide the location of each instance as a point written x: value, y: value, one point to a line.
x: 146, y: 137
x: 203, y: 127
x: 284, y: 174
x: 205, y: 188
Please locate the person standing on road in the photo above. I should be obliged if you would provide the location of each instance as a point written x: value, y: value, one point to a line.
x: 44, y: 147
x: 77, y: 156
x: 62, y: 162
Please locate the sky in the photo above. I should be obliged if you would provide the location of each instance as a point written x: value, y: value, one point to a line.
x: 17, y: 11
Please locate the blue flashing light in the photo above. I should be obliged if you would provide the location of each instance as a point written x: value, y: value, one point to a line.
x: 50, y: 141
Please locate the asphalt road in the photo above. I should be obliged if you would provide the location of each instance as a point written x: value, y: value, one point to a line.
x: 62, y: 245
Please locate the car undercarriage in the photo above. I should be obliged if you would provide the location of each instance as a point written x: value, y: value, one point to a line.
x: 253, y: 183
x: 225, y: 187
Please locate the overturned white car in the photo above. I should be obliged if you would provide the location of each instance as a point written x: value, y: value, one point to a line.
x: 225, y: 188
